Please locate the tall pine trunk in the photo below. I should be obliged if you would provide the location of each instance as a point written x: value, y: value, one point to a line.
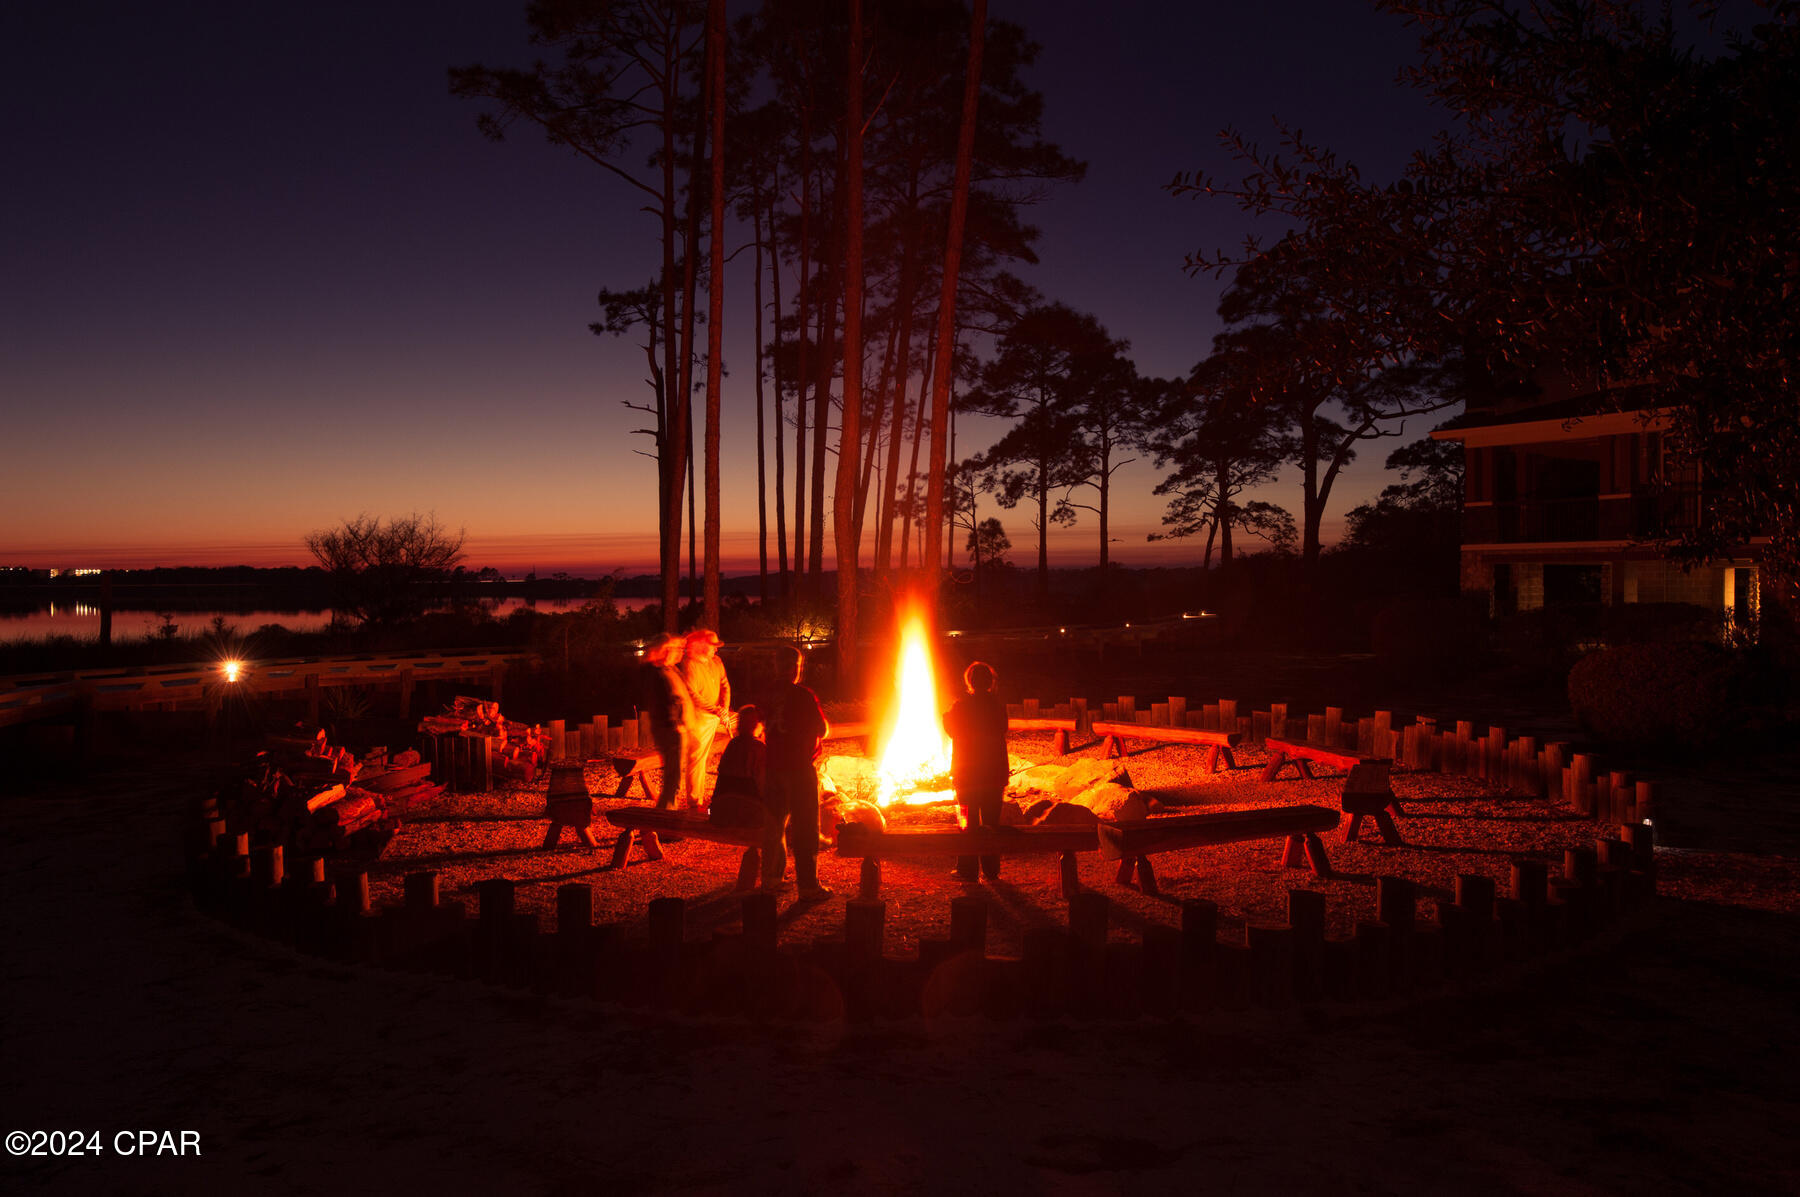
x: 715, y: 306
x: 912, y: 473
x: 762, y: 484
x: 946, y: 333
x: 775, y: 367
x: 904, y: 302
x: 802, y: 356
x: 831, y: 269
x: 846, y: 524
x: 671, y: 459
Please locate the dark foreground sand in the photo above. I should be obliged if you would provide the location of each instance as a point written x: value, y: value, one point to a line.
x: 1662, y: 1061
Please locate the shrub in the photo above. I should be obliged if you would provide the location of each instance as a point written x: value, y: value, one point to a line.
x: 1672, y: 695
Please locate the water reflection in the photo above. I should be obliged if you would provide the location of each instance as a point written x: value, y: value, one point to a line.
x: 82, y: 620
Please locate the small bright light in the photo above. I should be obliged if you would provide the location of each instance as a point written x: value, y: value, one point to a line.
x: 232, y: 669
x: 1128, y: 625
x: 1062, y: 631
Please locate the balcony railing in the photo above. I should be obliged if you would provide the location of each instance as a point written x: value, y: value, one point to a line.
x: 1643, y: 516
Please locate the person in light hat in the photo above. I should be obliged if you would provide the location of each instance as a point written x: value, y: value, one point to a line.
x: 664, y: 697
x: 710, y: 691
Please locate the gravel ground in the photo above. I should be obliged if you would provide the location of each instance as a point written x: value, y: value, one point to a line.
x: 1660, y: 1060
x: 1452, y: 825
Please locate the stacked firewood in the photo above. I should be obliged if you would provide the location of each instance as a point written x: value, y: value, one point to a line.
x: 519, y: 750
x: 314, y: 798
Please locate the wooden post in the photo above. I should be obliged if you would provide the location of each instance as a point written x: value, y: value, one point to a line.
x: 1278, y: 720
x: 1581, y: 865
x: 1396, y: 899
x: 968, y: 923
x: 1271, y: 965
x: 557, y: 747
x: 1089, y: 913
x: 406, y: 693
x: 574, y: 908
x: 1642, y: 838
x: 1334, y: 720
x: 1475, y: 893
x: 352, y: 890
x: 1160, y: 970
x: 481, y: 762
x: 762, y: 925
x: 1645, y: 802
x: 1228, y: 714
x: 668, y: 918
x: 422, y: 890
x: 497, y: 678
x: 1159, y: 714
x: 1199, y: 939
x: 1306, y: 915
x: 1374, y: 959
x: 312, y: 697
x: 864, y: 923
x: 1177, y: 710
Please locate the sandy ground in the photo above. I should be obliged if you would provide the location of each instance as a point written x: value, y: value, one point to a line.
x: 1452, y: 826
x: 1660, y: 1060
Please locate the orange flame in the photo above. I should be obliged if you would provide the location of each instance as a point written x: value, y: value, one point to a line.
x: 917, y: 751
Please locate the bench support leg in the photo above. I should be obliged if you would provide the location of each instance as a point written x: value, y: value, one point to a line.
x: 749, y: 869
x: 624, y: 785
x: 1305, y: 768
x: 1350, y: 831
x: 1146, y: 877
x: 552, y: 835
x: 586, y: 836
x: 652, y: 847
x: 1109, y: 747
x: 1127, y: 865
x: 1071, y: 876
x: 1390, y: 834
x: 1230, y: 761
x: 1293, y: 853
x: 1276, y: 759
x: 1059, y: 743
x: 621, y: 849
x: 869, y: 887
x: 1315, y: 852
x: 1212, y: 759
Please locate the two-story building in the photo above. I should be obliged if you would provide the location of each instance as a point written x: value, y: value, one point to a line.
x: 1565, y: 501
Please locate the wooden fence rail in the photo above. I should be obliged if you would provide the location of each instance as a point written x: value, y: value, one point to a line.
x: 25, y: 698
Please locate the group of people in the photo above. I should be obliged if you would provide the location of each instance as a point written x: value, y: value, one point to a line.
x: 769, y: 772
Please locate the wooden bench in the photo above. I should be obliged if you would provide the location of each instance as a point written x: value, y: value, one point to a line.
x: 567, y: 803
x: 1132, y: 842
x: 631, y: 766
x: 647, y: 821
x: 1221, y: 742
x: 856, y: 840
x: 1302, y: 755
x: 1369, y: 793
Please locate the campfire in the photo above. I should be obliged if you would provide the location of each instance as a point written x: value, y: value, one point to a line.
x: 913, y: 766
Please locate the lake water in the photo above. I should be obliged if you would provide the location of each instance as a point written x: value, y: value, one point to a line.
x: 82, y: 620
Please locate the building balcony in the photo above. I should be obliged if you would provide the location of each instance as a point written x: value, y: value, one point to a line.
x: 1588, y: 519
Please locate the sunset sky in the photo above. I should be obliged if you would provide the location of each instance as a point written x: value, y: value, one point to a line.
x: 262, y: 273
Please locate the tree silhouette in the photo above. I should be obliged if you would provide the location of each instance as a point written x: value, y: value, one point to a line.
x: 1615, y: 203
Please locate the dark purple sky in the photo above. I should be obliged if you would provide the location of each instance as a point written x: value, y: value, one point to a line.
x: 262, y: 273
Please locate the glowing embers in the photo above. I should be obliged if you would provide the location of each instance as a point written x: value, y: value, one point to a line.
x: 914, y: 763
